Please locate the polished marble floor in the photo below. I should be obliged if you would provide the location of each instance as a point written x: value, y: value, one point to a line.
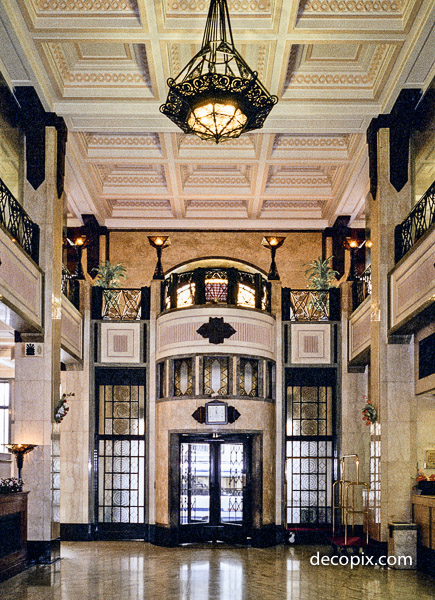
x: 138, y: 571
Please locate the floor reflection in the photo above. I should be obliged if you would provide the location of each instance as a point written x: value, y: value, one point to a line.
x: 137, y: 571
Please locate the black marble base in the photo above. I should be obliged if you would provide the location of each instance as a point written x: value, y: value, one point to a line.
x: 269, y: 535
x: 77, y: 532
x: 163, y: 536
x: 43, y: 552
x: 426, y: 560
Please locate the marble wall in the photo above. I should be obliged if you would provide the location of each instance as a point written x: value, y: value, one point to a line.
x: 5, y: 467
x: 74, y: 431
x: 37, y: 379
x: 355, y: 436
x: 133, y: 250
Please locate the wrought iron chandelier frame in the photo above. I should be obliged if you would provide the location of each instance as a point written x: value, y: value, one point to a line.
x: 218, y: 74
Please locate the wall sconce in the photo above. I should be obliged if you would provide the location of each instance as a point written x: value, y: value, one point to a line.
x: 79, y: 243
x: 19, y: 450
x: 159, y: 242
x: 273, y: 243
x: 352, y: 245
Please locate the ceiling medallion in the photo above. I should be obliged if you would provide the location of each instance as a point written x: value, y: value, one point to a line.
x: 217, y: 96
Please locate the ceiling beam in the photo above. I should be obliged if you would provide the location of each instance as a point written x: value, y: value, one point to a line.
x: 260, y: 176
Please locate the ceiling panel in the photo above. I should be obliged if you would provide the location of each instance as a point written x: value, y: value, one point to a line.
x: 334, y: 64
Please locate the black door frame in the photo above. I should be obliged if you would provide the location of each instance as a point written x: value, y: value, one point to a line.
x: 238, y: 533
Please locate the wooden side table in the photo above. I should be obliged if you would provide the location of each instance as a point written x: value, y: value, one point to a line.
x: 13, y: 533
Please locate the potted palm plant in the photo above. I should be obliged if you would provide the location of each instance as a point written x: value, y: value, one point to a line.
x: 320, y: 276
x: 109, y: 277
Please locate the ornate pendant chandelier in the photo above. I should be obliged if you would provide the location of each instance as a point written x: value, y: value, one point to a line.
x: 217, y: 96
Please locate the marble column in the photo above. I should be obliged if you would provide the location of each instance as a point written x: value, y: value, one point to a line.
x: 392, y: 363
x: 276, y: 292
x: 75, y: 459
x: 155, y: 290
x: 354, y: 435
x: 37, y: 379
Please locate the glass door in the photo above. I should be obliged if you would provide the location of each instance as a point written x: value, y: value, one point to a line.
x: 214, y: 488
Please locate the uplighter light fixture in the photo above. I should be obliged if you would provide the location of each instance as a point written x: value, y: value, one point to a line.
x: 159, y: 242
x: 217, y: 96
x: 19, y: 450
x: 273, y: 243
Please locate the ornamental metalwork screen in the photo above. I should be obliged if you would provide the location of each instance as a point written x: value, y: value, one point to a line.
x: 18, y: 223
x: 121, y: 304
x: 310, y: 452
x: 362, y: 287
x: 120, y: 446
x: 420, y: 219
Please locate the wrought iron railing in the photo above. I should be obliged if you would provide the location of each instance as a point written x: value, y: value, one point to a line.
x: 311, y: 305
x: 362, y: 287
x: 419, y: 220
x: 70, y: 287
x: 216, y: 285
x: 17, y: 222
x: 120, y: 304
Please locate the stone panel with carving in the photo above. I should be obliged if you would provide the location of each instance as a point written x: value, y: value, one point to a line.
x: 412, y: 283
x: 177, y: 332
x: 20, y: 284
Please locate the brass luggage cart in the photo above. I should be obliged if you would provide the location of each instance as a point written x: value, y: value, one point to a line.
x: 346, y: 498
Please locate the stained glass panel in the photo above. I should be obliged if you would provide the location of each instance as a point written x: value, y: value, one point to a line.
x: 216, y: 375
x: 186, y: 295
x: 245, y: 295
x: 216, y: 286
x: 183, y: 377
x: 248, y: 377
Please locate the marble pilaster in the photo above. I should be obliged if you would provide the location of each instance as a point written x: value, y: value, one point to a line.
x: 355, y: 438
x: 276, y: 293
x: 155, y: 290
x: 391, y: 367
x: 37, y: 379
x: 74, y: 430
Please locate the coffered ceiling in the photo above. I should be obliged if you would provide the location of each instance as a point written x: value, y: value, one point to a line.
x: 103, y: 65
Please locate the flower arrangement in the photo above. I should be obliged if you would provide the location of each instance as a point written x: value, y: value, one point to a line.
x: 10, y: 485
x: 369, y: 412
x: 425, y: 484
x: 62, y: 407
x: 421, y: 476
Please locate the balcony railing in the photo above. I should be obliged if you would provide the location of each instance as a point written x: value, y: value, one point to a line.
x: 121, y: 304
x: 70, y: 287
x: 362, y: 287
x: 216, y: 285
x: 311, y: 305
x: 419, y: 220
x: 17, y: 222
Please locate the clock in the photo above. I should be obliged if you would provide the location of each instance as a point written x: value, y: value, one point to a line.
x: 216, y: 413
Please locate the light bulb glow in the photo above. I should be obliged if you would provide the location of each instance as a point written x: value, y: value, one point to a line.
x: 215, y: 119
